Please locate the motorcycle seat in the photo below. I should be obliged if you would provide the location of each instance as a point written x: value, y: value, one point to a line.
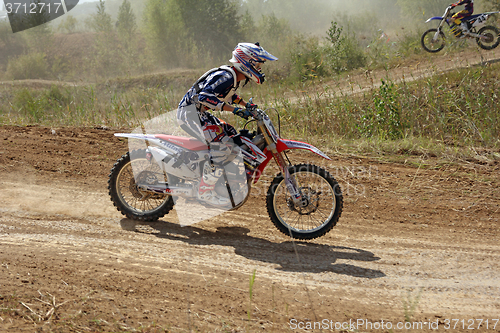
x: 187, y: 143
x: 470, y: 18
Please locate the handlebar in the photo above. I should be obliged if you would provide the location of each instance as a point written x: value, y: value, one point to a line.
x: 448, y: 12
x: 257, y: 113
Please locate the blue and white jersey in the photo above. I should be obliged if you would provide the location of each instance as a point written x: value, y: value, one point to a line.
x: 217, y: 88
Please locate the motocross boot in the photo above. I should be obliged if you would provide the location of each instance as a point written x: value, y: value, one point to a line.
x: 206, y: 188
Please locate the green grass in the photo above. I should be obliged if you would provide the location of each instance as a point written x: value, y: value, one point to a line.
x: 457, y: 113
x: 250, y: 294
x: 461, y: 107
x: 410, y: 304
x: 85, y: 105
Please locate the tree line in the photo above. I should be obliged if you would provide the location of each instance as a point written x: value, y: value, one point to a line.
x: 200, y: 33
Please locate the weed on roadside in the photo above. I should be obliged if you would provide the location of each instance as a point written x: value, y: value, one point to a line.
x: 410, y: 303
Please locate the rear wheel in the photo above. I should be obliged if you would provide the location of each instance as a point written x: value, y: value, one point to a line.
x: 432, y: 41
x: 320, y: 209
x: 489, y: 37
x: 131, y: 201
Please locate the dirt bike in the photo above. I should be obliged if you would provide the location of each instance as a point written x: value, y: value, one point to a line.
x: 303, y: 201
x: 433, y: 40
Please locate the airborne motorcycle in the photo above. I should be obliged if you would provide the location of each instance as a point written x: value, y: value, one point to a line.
x: 433, y: 40
x: 303, y: 201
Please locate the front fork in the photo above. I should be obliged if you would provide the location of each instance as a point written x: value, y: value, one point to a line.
x: 439, y: 29
x: 290, y: 181
x: 436, y: 35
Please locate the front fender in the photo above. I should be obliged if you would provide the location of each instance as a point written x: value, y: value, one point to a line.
x: 292, y: 144
x: 434, y: 18
x: 286, y: 145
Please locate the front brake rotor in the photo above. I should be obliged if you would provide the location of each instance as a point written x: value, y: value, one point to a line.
x: 309, y: 203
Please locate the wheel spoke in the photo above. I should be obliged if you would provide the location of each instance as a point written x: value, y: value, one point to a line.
x: 126, y: 178
x: 311, y: 217
x: 320, y: 211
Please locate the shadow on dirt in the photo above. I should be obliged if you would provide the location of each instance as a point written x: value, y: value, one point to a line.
x: 290, y: 256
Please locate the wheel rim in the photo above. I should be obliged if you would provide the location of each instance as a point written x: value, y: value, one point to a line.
x: 489, y: 37
x: 431, y: 44
x: 128, y: 193
x: 320, y: 203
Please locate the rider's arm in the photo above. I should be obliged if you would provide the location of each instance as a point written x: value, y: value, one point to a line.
x: 216, y: 85
x: 227, y: 107
x: 238, y: 100
x: 212, y: 102
x: 460, y: 2
x: 218, y: 105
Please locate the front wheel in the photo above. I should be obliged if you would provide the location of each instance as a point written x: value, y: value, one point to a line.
x: 432, y: 41
x: 320, y: 209
x: 489, y: 37
x: 127, y: 196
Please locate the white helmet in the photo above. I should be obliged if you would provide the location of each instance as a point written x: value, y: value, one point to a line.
x: 248, y: 59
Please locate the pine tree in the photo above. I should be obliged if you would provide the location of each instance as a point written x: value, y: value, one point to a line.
x: 126, y: 24
x: 68, y: 25
x: 164, y: 31
x: 181, y: 32
x: 101, y: 21
x: 104, y: 56
x: 213, y: 25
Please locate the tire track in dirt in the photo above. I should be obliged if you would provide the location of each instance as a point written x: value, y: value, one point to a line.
x: 369, y: 262
x: 383, y: 270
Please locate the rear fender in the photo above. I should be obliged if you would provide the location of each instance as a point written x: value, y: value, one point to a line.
x: 143, y: 137
x: 135, y: 136
x: 165, y: 155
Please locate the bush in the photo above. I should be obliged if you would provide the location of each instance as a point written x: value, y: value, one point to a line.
x: 46, y: 105
x: 308, y: 59
x: 29, y: 106
x: 383, y: 119
x: 408, y: 43
x: 418, y: 11
x: 28, y: 66
x: 343, y: 50
x: 340, y: 52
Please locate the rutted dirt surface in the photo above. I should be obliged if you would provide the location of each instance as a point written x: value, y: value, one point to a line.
x: 70, y: 262
x: 416, y: 240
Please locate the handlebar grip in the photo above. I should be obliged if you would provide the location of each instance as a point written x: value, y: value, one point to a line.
x: 241, y: 114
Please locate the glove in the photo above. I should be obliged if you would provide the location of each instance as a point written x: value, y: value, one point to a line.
x: 251, y: 106
x: 243, y: 113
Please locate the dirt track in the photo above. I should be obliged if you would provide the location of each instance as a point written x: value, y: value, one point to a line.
x: 423, y: 234
x: 407, y: 233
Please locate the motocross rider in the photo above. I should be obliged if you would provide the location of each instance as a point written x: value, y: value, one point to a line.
x: 215, y: 90
x: 457, y: 18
